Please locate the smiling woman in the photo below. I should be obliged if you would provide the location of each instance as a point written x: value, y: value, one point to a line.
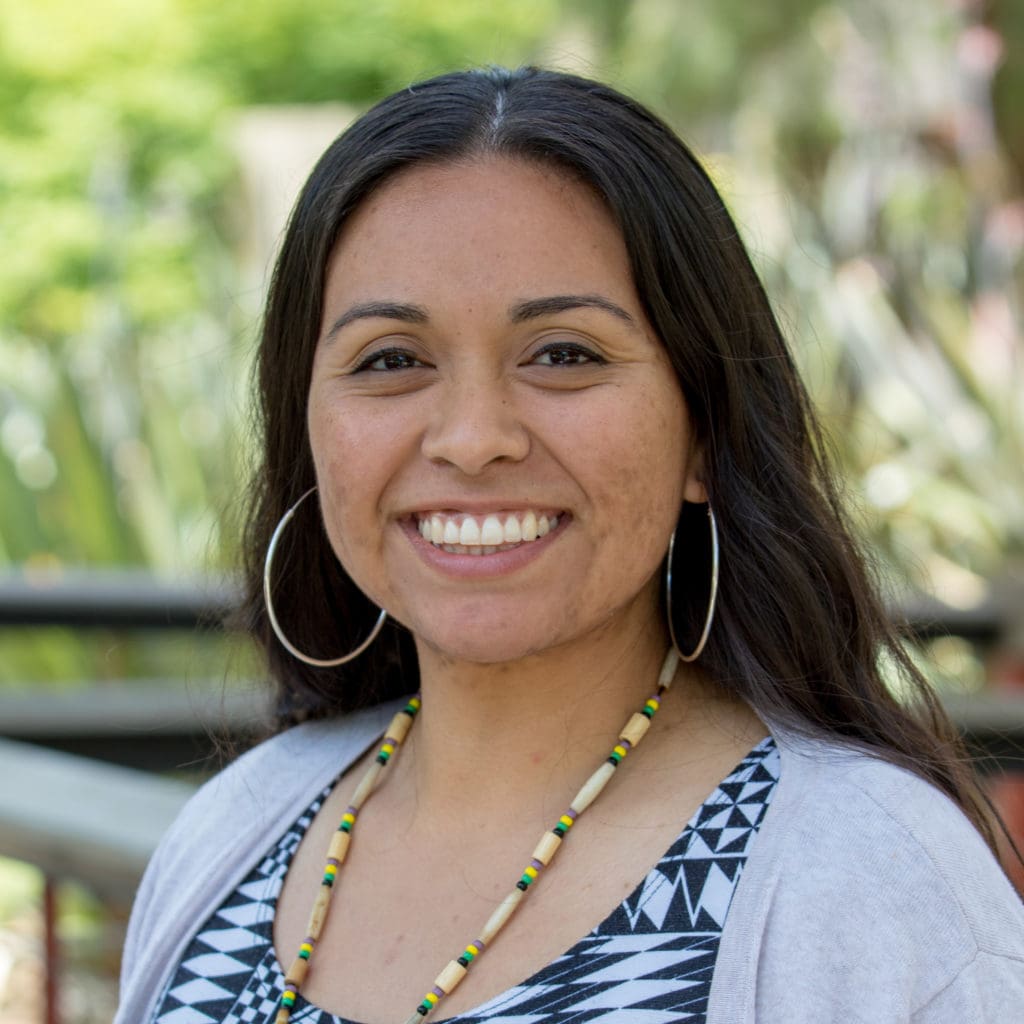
x: 467, y: 390
x: 517, y: 352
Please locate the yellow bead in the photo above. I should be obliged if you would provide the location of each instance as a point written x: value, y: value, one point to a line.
x: 473, y: 949
x: 620, y: 750
x: 531, y: 871
x: 331, y: 869
x: 565, y: 820
x: 431, y: 998
x: 306, y: 947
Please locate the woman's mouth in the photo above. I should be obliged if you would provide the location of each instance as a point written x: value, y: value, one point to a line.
x: 461, y: 533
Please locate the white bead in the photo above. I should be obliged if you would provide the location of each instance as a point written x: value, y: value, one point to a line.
x: 668, y: 668
x: 592, y: 787
x: 500, y: 917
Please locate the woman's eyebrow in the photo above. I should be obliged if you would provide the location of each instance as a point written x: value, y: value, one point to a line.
x: 532, y: 308
x: 405, y: 312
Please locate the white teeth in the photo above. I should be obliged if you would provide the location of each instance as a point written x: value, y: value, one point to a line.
x: 491, y: 532
x: 462, y: 534
x: 529, y: 527
x: 512, y: 533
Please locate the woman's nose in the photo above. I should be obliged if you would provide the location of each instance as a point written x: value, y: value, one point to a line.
x: 474, y: 425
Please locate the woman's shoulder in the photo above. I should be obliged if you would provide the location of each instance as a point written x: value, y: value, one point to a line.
x: 843, y: 812
x: 223, y: 828
x: 868, y: 888
x: 279, y: 773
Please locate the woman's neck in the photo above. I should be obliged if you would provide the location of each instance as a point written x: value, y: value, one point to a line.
x: 519, y: 739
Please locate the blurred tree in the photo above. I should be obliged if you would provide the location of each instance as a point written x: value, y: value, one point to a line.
x: 859, y: 147
x: 862, y: 145
x: 124, y: 336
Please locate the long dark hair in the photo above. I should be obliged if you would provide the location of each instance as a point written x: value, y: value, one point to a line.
x: 800, y: 632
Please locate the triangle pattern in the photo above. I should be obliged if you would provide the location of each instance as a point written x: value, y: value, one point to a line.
x: 650, y: 961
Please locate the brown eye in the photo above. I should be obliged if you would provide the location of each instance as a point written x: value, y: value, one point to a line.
x: 566, y: 354
x: 389, y: 359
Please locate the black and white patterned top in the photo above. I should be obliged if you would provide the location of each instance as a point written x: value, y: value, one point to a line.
x: 649, y: 962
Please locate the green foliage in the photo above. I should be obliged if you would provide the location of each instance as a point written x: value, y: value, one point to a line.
x: 858, y: 147
x: 125, y: 329
x: 856, y: 140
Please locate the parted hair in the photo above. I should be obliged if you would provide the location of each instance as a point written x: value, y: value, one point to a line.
x: 800, y: 631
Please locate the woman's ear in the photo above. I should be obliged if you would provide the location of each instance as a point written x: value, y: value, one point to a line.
x: 693, y: 486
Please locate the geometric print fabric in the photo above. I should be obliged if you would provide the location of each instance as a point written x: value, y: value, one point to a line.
x: 649, y: 962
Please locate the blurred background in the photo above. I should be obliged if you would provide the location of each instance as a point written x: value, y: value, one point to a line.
x: 871, y: 153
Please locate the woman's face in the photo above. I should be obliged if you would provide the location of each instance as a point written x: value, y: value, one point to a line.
x: 500, y: 443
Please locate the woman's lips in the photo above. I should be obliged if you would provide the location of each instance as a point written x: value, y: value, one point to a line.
x: 466, y: 533
x: 537, y: 529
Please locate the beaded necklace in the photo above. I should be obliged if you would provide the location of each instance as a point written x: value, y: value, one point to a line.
x: 629, y: 736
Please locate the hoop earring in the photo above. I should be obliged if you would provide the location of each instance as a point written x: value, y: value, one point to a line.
x: 276, y: 626
x: 709, y: 617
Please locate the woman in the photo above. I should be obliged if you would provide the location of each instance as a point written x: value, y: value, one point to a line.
x: 521, y: 388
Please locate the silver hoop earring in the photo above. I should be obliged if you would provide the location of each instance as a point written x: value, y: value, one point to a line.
x: 709, y: 617
x: 276, y: 626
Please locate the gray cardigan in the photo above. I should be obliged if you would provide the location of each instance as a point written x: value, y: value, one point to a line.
x: 867, y: 896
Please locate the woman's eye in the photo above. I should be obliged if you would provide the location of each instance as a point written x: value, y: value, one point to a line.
x: 566, y: 354
x: 389, y: 359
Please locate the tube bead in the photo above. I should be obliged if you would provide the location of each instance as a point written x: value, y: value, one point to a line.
x: 339, y: 846
x: 297, y: 972
x: 319, y: 913
x: 450, y: 977
x: 366, y: 784
x: 501, y: 915
x: 668, y: 668
x: 635, y: 729
x: 592, y: 788
x: 546, y: 848
x: 399, y: 727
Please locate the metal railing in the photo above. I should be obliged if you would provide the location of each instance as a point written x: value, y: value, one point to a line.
x: 78, y: 793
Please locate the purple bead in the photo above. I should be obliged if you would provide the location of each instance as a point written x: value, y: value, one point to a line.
x: 480, y: 944
x: 352, y: 810
x: 333, y: 860
x: 439, y: 992
x: 536, y: 865
x: 571, y: 814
